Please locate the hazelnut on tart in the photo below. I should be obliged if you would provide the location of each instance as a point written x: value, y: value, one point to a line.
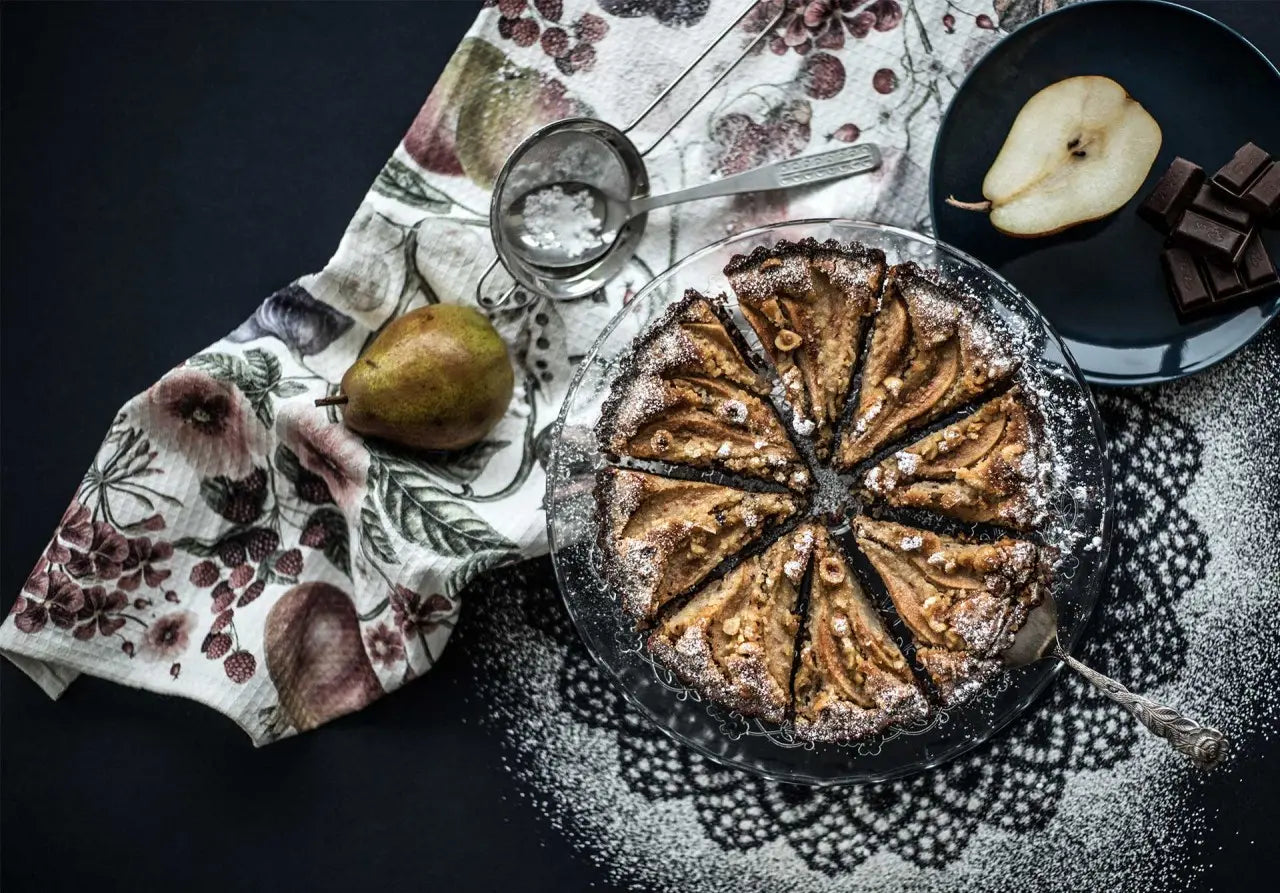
x: 661, y: 537
x: 852, y: 680
x: 808, y: 303
x: 734, y: 640
x: 963, y: 602
x: 688, y: 396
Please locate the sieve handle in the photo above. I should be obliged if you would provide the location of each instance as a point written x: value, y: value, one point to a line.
x: 805, y: 171
x: 490, y: 296
x: 698, y: 60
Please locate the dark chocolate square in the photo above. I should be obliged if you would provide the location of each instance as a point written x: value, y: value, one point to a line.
x: 1182, y: 275
x: 1222, y: 207
x: 1173, y: 192
x: 1208, y: 237
x: 1263, y: 195
x: 1244, y: 166
x: 1223, y: 278
x: 1255, y: 265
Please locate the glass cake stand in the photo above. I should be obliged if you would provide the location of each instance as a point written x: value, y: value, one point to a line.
x: 1078, y: 527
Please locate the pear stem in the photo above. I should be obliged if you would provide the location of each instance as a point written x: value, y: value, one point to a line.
x: 968, y: 206
x: 335, y: 400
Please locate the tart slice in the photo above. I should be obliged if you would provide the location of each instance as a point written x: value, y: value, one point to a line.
x: 963, y: 602
x: 735, y: 639
x: 982, y: 468
x: 687, y: 395
x: 807, y: 303
x: 852, y: 681
x: 661, y: 537
x: 929, y: 354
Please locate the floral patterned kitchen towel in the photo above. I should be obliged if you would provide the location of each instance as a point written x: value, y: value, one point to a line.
x: 234, y: 544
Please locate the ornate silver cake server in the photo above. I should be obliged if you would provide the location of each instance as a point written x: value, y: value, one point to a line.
x: 1038, y: 639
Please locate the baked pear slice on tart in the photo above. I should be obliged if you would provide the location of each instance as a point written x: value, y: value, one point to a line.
x: 962, y: 601
x: 982, y: 468
x: 808, y: 304
x: 734, y: 640
x: 929, y: 355
x: 852, y: 680
x: 687, y: 395
x: 661, y: 536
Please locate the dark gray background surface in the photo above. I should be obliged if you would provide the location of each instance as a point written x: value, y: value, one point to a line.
x: 162, y: 169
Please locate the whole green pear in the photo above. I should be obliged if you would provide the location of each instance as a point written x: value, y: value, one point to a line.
x: 437, y: 378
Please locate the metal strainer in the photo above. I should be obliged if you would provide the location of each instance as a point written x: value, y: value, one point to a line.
x: 583, y: 150
x: 592, y: 152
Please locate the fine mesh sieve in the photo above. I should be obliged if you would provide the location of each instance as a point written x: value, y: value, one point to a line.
x: 610, y: 161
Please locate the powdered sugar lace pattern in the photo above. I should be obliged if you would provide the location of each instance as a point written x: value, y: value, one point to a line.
x: 655, y: 814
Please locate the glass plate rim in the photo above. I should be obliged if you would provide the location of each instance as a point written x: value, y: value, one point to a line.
x: 1046, y: 677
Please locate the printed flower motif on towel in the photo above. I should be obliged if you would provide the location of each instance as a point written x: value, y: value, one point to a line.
x: 169, y: 636
x: 204, y: 420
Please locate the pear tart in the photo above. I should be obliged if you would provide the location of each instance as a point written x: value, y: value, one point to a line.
x: 852, y: 680
x: 735, y: 639
x: 687, y: 395
x: 712, y: 572
x: 807, y: 303
x: 982, y: 468
x: 661, y: 537
x: 929, y: 355
x: 963, y: 602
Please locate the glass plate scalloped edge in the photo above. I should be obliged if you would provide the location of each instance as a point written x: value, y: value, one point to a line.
x: 1080, y: 527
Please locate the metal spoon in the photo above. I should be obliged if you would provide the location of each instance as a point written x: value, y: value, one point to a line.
x: 1038, y: 639
x: 569, y: 224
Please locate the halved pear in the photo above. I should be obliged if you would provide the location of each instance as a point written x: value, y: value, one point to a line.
x: 1078, y: 150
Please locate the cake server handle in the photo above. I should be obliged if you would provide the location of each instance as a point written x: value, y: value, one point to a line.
x: 1205, y: 745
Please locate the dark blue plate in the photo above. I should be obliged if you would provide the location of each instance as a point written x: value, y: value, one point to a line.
x: 1100, y: 283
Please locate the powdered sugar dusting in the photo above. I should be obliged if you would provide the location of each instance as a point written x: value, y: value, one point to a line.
x: 562, y: 221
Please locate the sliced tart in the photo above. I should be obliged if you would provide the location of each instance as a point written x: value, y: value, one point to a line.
x: 735, y: 639
x: 982, y: 468
x: 808, y: 303
x: 687, y: 395
x: 929, y: 355
x: 963, y: 602
x: 852, y: 681
x: 661, y: 537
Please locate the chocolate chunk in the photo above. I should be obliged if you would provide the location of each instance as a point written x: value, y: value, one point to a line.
x: 1173, y: 192
x: 1255, y: 266
x: 1201, y: 287
x: 1208, y: 237
x: 1215, y: 261
x: 1223, y: 207
x: 1236, y: 175
x: 1186, y: 285
x: 1223, y: 278
x: 1263, y: 195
